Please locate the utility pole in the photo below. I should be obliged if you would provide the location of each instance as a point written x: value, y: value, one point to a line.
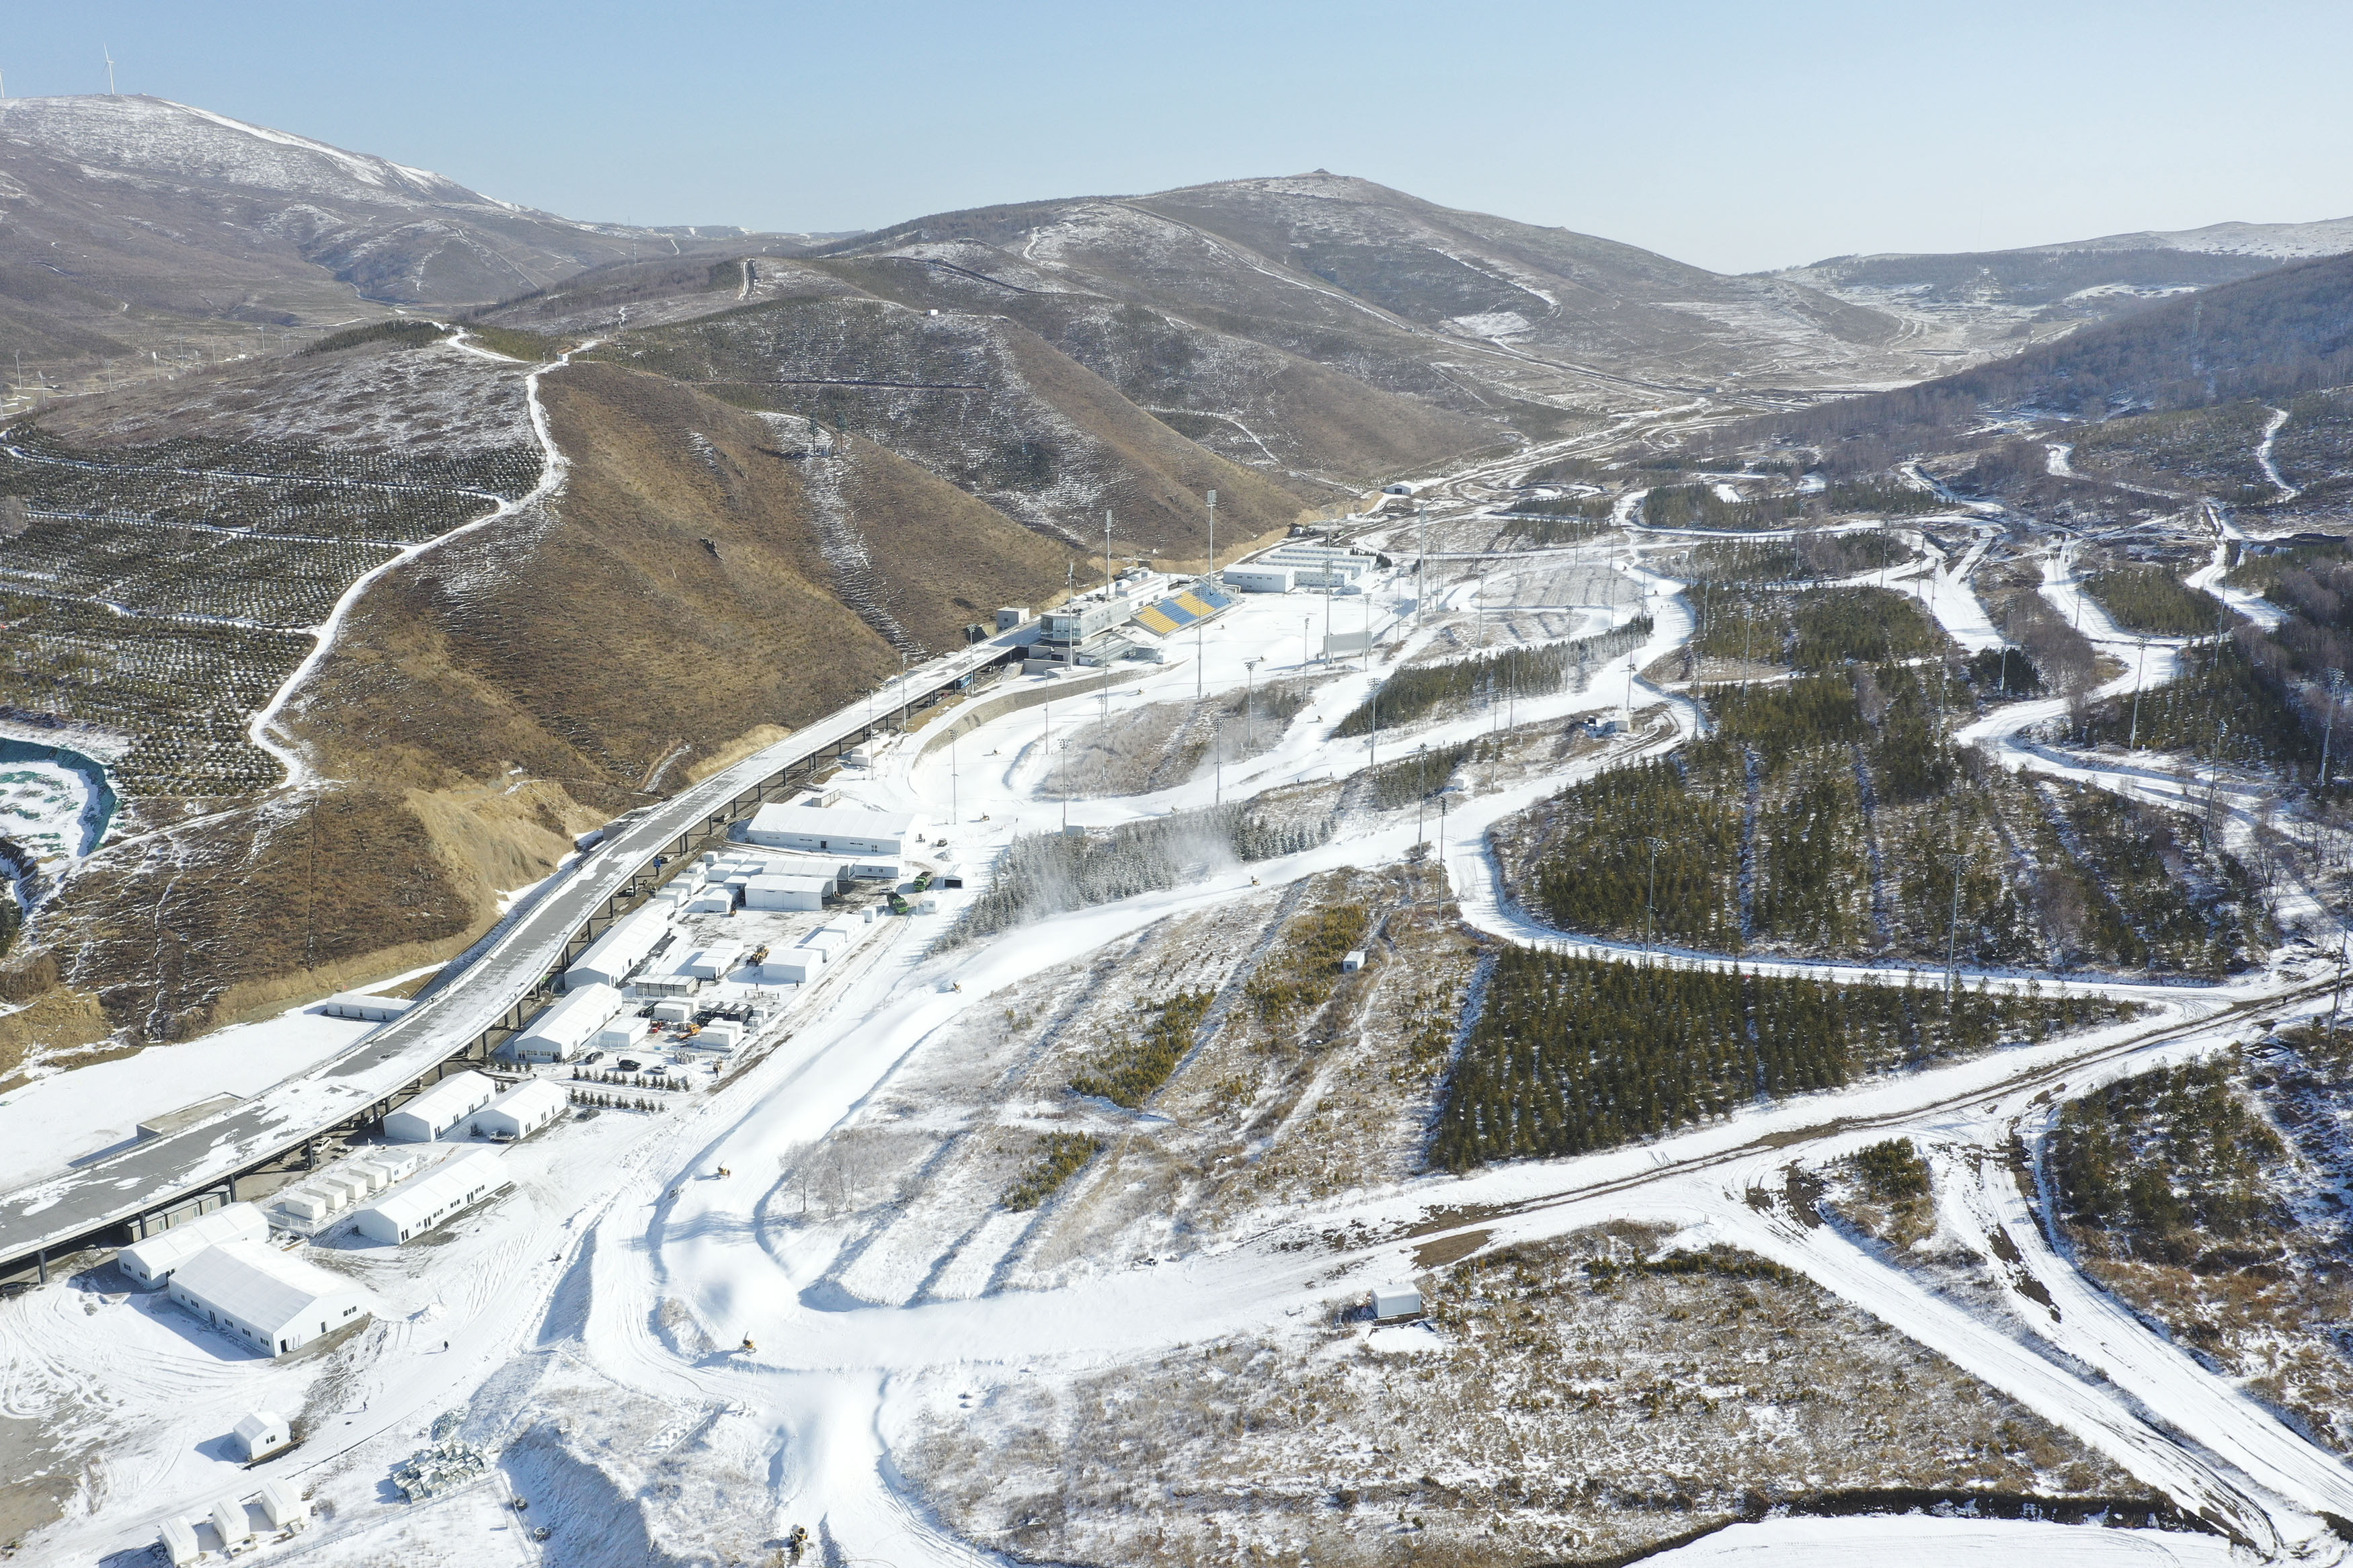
x: 956, y: 811
x: 2328, y: 733
x: 1375, y: 759
x: 1651, y: 899
x: 1106, y: 555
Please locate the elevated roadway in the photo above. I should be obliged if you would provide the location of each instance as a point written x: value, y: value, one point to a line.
x: 463, y: 1020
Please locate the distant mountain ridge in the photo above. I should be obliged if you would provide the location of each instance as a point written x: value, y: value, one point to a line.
x: 125, y: 221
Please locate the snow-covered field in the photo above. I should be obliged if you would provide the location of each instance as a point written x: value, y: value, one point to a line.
x: 687, y: 1332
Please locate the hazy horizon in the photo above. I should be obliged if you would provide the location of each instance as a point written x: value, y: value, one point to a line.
x: 1726, y: 136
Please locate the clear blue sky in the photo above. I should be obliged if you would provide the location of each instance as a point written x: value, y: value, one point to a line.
x: 1736, y: 135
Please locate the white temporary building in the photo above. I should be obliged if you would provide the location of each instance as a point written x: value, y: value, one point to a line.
x: 798, y: 967
x: 835, y: 830
x: 231, y: 1521
x: 521, y: 1110
x: 720, y: 1034
x: 414, y: 1207
x: 440, y: 1109
x: 283, y: 1506
x: 786, y: 892
x: 1257, y: 578
x: 715, y: 900
x: 714, y: 962
x: 565, y: 1024
x: 179, y: 1543
x: 272, y: 1301
x: 612, y: 958
x: 1392, y: 1302
x: 262, y: 1434
x: 622, y: 1033
x: 150, y: 1262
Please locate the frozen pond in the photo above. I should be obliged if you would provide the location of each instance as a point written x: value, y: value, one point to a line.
x: 53, y: 801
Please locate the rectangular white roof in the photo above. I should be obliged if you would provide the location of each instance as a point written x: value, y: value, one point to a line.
x: 162, y: 1253
x: 832, y: 821
x: 575, y: 1015
x: 255, y: 1282
x: 447, y: 1182
x: 459, y: 1089
x: 629, y: 938
x: 525, y: 1101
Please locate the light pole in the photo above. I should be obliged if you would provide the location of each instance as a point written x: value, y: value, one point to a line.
x: 1306, y: 641
x: 2328, y: 733
x: 1250, y: 714
x: 1421, y: 788
x: 1650, y: 898
x: 1206, y: 573
x: 1422, y: 562
x: 1953, y: 940
x: 2140, y: 670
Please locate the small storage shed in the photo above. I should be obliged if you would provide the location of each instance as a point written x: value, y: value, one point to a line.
x: 1353, y: 962
x: 1396, y: 1303
x: 414, y: 1207
x: 721, y: 1036
x: 179, y: 1543
x: 262, y: 1434
x: 716, y: 901
x: 674, y: 1012
x: 521, y: 1110
x: 439, y: 1109
x: 150, y: 1262
x: 564, y: 1028
x: 272, y: 1301
x: 231, y: 1521
x: 283, y: 1506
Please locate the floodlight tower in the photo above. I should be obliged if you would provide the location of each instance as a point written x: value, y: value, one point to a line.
x: 1206, y: 573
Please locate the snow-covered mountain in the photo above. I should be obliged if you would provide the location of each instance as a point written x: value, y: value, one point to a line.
x: 2272, y: 241
x: 126, y: 220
